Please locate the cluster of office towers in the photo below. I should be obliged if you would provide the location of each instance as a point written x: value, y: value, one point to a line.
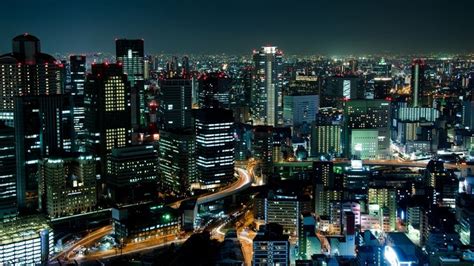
x: 73, y: 136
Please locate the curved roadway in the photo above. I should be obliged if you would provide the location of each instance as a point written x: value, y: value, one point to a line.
x: 244, y: 182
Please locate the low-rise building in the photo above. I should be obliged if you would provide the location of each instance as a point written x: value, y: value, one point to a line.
x: 271, y: 246
x: 139, y: 222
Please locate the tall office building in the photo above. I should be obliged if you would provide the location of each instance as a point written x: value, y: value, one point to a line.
x: 382, y: 69
x: 26, y: 71
x: 323, y: 196
x: 70, y: 185
x: 214, y: 90
x: 382, y: 88
x: 285, y: 209
x: 132, y: 174
x: 185, y: 66
x: 175, y: 103
x: 325, y: 139
x: 263, y: 147
x: 267, y: 97
x: 308, y: 243
x: 418, y: 114
x: 299, y: 109
x: 177, y: 161
x: 386, y: 202
x: 42, y: 129
x: 418, y: 82
x: 365, y: 144
x: 215, y: 149
x: 323, y: 173
x: 130, y: 53
x: 77, y: 65
x: 373, y: 115
x: 468, y: 114
x: 8, y: 204
x: 107, y: 111
x: 341, y: 87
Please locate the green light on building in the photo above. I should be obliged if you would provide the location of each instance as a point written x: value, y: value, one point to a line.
x: 167, y: 217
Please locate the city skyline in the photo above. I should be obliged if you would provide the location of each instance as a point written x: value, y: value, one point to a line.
x: 210, y: 27
x: 237, y: 133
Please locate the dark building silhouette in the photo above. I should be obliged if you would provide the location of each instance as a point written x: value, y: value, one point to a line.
x: 132, y: 174
x: 263, y: 147
x: 175, y: 103
x: 107, y: 111
x: 77, y: 65
x: 43, y: 128
x: 130, y: 53
x: 214, y: 90
x: 8, y: 204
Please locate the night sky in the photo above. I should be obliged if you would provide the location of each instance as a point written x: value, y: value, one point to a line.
x: 237, y: 26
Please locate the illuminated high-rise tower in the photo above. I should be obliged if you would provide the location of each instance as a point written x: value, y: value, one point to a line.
x: 214, y: 146
x: 8, y: 198
x: 107, y: 110
x: 418, y: 82
x: 26, y: 71
x: 267, y: 99
x: 78, y: 73
x: 42, y: 129
x: 175, y: 103
x: 130, y: 53
x: 78, y: 79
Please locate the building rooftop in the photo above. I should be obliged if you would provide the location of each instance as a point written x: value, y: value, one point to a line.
x: 20, y: 229
x: 397, y: 238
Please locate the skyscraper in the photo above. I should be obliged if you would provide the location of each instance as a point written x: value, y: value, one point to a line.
x: 418, y: 82
x: 325, y: 139
x: 78, y: 73
x: 284, y: 208
x: 371, y: 115
x: 177, y: 159
x: 132, y: 174
x: 214, y: 146
x: 214, y: 90
x: 175, y: 103
x: 8, y: 192
x: 78, y: 79
x: 382, y: 87
x: 130, y: 53
x: 70, y: 185
x: 386, y: 200
x: 299, y: 109
x: 308, y: 243
x: 42, y: 129
x: 267, y: 97
x: 107, y: 111
x: 382, y: 69
x: 323, y: 173
x: 263, y: 147
x: 26, y: 71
